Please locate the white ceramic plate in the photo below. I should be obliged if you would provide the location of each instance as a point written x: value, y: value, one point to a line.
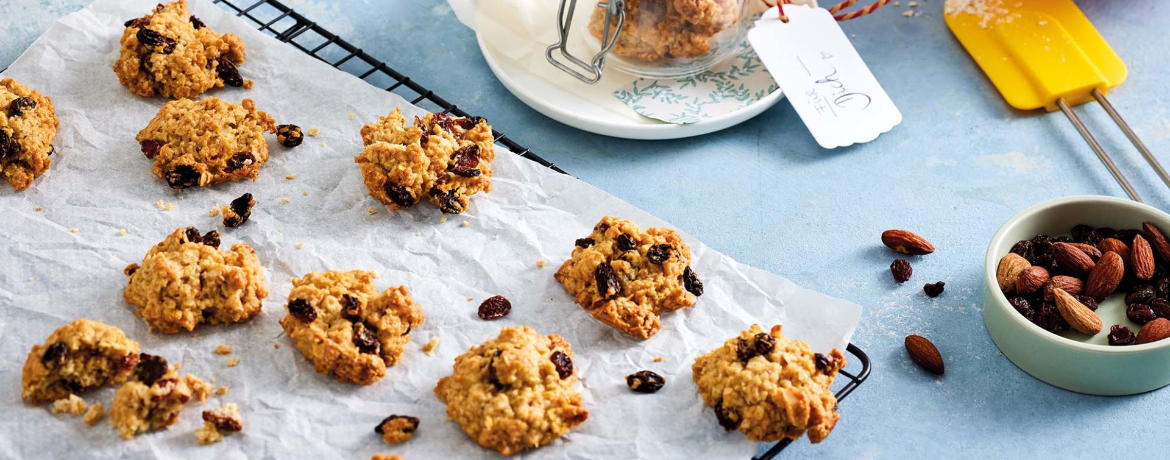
x: 600, y: 112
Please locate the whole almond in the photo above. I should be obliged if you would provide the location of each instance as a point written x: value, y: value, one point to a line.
x: 1079, y: 316
x: 1031, y: 279
x: 1091, y: 251
x: 1154, y: 331
x: 1142, y: 258
x: 1115, y: 245
x: 906, y: 242
x: 1010, y: 267
x: 925, y: 354
x: 1071, y: 285
x: 1072, y: 259
x: 1105, y: 277
x: 1157, y: 240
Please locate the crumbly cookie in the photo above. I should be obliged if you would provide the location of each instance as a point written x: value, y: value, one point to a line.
x: 28, y: 124
x: 626, y: 277
x: 656, y: 29
x: 151, y: 400
x: 514, y: 392
x: 397, y: 428
x: 172, y: 54
x: 94, y: 414
x: 348, y: 329
x: 77, y: 357
x: 72, y: 405
x: 386, y: 457
x: 216, y: 422
x: 186, y: 280
x: 204, y: 142
x: 445, y: 159
x: 770, y: 387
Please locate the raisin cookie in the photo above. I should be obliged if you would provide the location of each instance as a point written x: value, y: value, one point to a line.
x: 657, y: 29
x: 442, y: 158
x: 186, y: 280
x: 28, y: 124
x: 77, y: 357
x: 770, y: 387
x: 348, y: 329
x: 514, y: 392
x: 170, y: 53
x: 204, y: 142
x: 151, y: 400
x: 626, y: 277
x: 216, y: 422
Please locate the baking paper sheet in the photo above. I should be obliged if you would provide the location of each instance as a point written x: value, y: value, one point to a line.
x: 100, y: 183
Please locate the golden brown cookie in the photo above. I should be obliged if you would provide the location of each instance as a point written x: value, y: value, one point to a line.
x: 770, y: 387
x: 172, y: 54
x: 514, y: 392
x: 28, y: 124
x: 656, y: 29
x: 346, y: 328
x: 80, y: 356
x: 216, y: 422
x: 397, y: 428
x: 151, y: 400
x: 186, y: 280
x: 626, y: 277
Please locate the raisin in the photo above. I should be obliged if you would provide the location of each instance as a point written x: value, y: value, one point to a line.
x: 52, y: 150
x: 494, y: 307
x: 1106, y: 232
x: 645, y: 382
x: 1022, y: 248
x: 222, y: 422
x: 197, y: 23
x: 934, y: 289
x: 366, y: 339
x: 728, y: 418
x: 901, y: 270
x: 584, y: 242
x: 1080, y: 233
x: 154, y: 40
x: 465, y: 161
x: 289, y: 135
x: 183, y: 176
x: 136, y: 22
x: 469, y: 122
x: 55, y: 354
x: 17, y: 107
x: 448, y: 201
x: 1140, y: 313
x: 228, y: 72
x: 301, y: 309
x: 150, y: 148
x: 1162, y: 288
x: 691, y: 282
x: 443, y: 121
x: 658, y: 253
x: 1041, y: 244
x: 1048, y: 318
x: 1161, y: 308
x: 563, y: 363
x: 241, y: 210
x: 1023, y: 306
x: 4, y: 141
x: 212, y: 239
x: 1127, y: 235
x: 240, y: 160
x: 601, y: 227
x: 1088, y: 302
x: 492, y: 378
x: 150, y: 368
x: 744, y: 350
x: 193, y: 235
x: 412, y: 421
x: 351, y: 307
x: 823, y: 363
x: 765, y: 343
x: 1141, y: 293
x: 608, y: 285
x: 130, y: 270
x: 1121, y: 335
x: 626, y: 242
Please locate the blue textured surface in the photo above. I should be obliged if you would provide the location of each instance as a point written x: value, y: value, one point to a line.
x: 960, y: 164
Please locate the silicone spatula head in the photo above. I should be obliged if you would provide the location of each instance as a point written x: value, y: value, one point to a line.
x: 1036, y: 51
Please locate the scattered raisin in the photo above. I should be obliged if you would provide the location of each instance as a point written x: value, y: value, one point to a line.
x: 744, y: 350
x: 645, y: 382
x: 240, y: 160
x: 55, y: 353
x: 658, y: 253
x: 1127, y: 235
x: 289, y: 135
x: 183, y: 176
x: 465, y: 161
x: 366, y: 339
x: 150, y: 368
x: 1088, y: 302
x: 399, y: 195
x: 351, y: 307
x: 154, y: 40
x: 17, y: 107
x: 563, y: 363
x: 197, y: 23
x: 1048, y: 318
x: 608, y: 285
x: 448, y: 201
x: 1140, y: 313
x: 728, y: 418
x: 1023, y: 306
x: 823, y: 363
x: 301, y: 309
x: 1106, y: 232
x: 1121, y: 335
x: 901, y: 270
x: 691, y: 282
x: 212, y: 239
x: 764, y: 343
x: 413, y: 421
x: 934, y: 289
x: 1161, y: 308
x: 228, y: 72
x: 1080, y: 233
x: 494, y: 307
x: 150, y: 148
x: 193, y: 235
x: 1141, y: 293
x: 241, y: 210
x: 626, y: 242
x: 584, y: 242
x: 1162, y: 288
x: 1022, y: 248
x: 222, y: 422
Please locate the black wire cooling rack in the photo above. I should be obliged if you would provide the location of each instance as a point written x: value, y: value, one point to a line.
x: 288, y: 26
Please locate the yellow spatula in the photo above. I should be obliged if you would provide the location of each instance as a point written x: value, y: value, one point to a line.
x: 1045, y: 53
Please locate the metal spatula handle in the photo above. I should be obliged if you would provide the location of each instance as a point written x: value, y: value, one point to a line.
x: 1096, y: 146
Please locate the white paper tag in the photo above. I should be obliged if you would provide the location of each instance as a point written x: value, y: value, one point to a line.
x: 823, y: 77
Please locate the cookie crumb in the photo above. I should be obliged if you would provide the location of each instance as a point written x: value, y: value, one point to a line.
x: 469, y: 299
x: 284, y: 200
x: 276, y: 346
x: 73, y: 230
x: 497, y: 237
x: 431, y: 345
x: 223, y: 349
x: 397, y: 428
x: 908, y: 13
x: 161, y: 204
x: 305, y: 193
x: 300, y: 245
x: 323, y: 144
x: 200, y: 389
x: 540, y: 263
x: 221, y: 390
x: 233, y: 361
x: 94, y: 414
x: 443, y: 219
x: 170, y: 206
x: 218, y: 421
x: 371, y: 210
x: 290, y: 177
x: 72, y: 405
x: 386, y: 457
x: 912, y: 4
x: 214, y: 211
x: 465, y: 224
x: 351, y: 115
x: 122, y: 232
x: 39, y: 209
x: 314, y: 131
x: 657, y: 359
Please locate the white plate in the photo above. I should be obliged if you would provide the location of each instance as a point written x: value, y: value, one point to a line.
x: 601, y: 112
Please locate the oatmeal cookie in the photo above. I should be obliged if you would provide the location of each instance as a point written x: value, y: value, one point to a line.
x: 198, y: 143
x: 444, y: 159
x: 186, y: 280
x: 348, y: 329
x: 770, y: 387
x: 656, y: 29
x: 626, y: 277
x: 151, y: 400
x: 77, y: 357
x: 28, y: 123
x: 514, y: 392
x: 172, y: 54
x: 216, y: 422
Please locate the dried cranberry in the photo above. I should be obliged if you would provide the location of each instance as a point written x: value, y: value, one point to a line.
x: 150, y: 148
x: 608, y: 285
x: 658, y: 253
x: 1022, y: 248
x: 563, y: 363
x: 465, y: 161
x: 448, y: 201
x: 366, y: 339
x: 150, y: 368
x: 301, y: 309
x: 222, y: 422
x: 691, y: 282
x: 469, y: 122
x: 193, y: 235
x: 17, y: 107
x: 1121, y: 335
x: 744, y: 350
x: 183, y: 176
x: 240, y: 160
x: 154, y: 40
x: 1140, y: 313
x: 351, y: 307
x: 1161, y: 308
x: 728, y: 418
x: 443, y: 121
x: 584, y: 242
x: 197, y: 23
x: 412, y: 421
x: 1141, y: 293
x: 399, y: 195
x: 765, y: 343
x: 211, y: 239
x: 289, y: 135
x: 1088, y: 302
x: 1023, y: 306
x: 494, y: 307
x: 934, y: 289
x: 228, y: 72
x: 645, y: 382
x: 55, y: 354
x: 241, y: 210
x: 823, y: 363
x: 901, y: 270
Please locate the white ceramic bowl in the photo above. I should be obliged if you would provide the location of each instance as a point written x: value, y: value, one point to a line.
x: 1074, y: 361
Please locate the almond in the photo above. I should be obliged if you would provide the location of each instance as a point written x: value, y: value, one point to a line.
x: 1071, y: 285
x: 1079, y: 316
x: 1142, y: 258
x: 1031, y: 279
x: 1091, y: 251
x: 1010, y: 267
x: 1115, y: 245
x: 1105, y: 277
x: 1072, y: 259
x: 1153, y: 331
x: 1157, y: 240
x: 906, y: 242
x: 925, y: 354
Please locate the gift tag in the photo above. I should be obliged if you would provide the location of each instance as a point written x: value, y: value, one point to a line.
x: 823, y: 77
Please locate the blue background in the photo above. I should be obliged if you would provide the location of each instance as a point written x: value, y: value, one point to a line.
x: 763, y: 192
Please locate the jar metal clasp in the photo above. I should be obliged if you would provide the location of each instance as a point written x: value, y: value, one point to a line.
x: 588, y: 72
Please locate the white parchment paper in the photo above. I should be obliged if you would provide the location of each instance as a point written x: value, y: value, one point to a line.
x: 100, y: 183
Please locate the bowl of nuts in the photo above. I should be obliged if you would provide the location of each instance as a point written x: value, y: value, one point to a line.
x: 1078, y: 294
